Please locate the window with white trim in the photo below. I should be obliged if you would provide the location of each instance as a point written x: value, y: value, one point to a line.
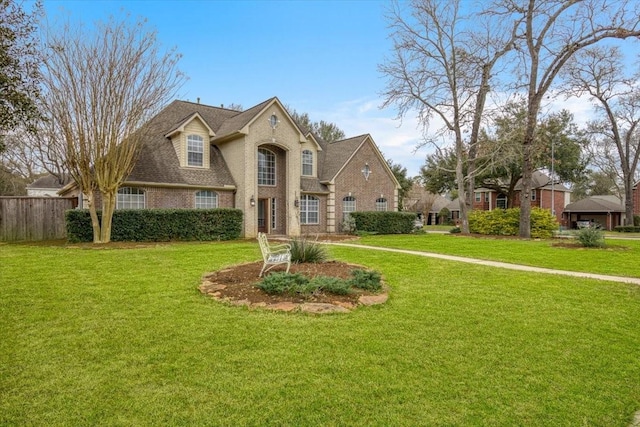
x: 309, y: 209
x: 307, y: 163
x: 478, y: 195
x: 195, y: 150
x: 486, y: 196
x: 533, y: 195
x: 266, y: 167
x: 206, y: 199
x: 348, y: 206
x: 130, y: 198
x: 381, y: 204
x: 501, y: 201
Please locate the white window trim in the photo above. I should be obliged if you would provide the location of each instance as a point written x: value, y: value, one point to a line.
x: 128, y: 191
x: 346, y: 212
x: 381, y: 202
x: 196, y: 139
x: 304, y: 209
x: 275, y: 171
x: 309, y: 156
x: 213, y: 195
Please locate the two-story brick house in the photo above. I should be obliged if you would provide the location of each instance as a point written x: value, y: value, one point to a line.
x: 284, y: 179
x: 543, y: 195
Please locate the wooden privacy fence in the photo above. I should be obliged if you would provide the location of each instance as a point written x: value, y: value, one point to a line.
x: 34, y: 218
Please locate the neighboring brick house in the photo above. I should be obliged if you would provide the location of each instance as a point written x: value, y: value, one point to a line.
x: 541, y: 191
x: 284, y: 179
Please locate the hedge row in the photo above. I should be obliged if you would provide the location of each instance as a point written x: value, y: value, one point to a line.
x: 627, y: 229
x: 506, y: 222
x: 152, y: 225
x: 387, y: 222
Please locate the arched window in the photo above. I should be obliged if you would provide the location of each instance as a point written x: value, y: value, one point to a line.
x: 381, y: 204
x: 206, y: 199
x: 309, y: 209
x: 307, y: 163
x: 501, y: 201
x: 195, y: 150
x: 266, y: 167
x: 348, y: 206
x: 130, y: 198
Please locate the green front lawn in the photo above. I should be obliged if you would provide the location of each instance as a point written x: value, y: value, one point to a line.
x: 122, y: 337
x: 619, y: 258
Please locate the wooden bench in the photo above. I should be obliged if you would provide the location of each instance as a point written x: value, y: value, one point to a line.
x: 273, y: 255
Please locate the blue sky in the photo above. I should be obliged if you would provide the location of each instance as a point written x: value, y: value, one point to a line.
x: 318, y: 57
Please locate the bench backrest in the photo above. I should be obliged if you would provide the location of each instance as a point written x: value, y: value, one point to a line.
x: 264, y: 245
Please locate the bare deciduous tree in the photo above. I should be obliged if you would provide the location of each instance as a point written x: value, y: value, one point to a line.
x: 600, y: 73
x: 553, y: 31
x: 442, y: 65
x: 99, y: 89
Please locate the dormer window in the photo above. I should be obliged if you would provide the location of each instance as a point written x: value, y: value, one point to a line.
x: 195, y: 151
x: 307, y: 163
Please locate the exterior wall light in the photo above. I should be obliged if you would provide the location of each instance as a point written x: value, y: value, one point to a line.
x: 252, y: 201
x: 296, y: 202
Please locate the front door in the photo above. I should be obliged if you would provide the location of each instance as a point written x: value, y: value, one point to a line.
x: 263, y: 215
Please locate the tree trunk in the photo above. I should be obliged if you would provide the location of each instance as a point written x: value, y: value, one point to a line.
x: 464, y: 217
x: 95, y: 221
x: 628, y: 199
x: 108, y: 206
x: 525, y: 192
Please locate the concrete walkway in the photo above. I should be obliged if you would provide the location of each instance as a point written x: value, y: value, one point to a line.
x: 632, y: 280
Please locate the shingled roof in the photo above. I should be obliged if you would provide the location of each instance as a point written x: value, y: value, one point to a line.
x: 541, y: 180
x: 334, y: 155
x: 158, y: 162
x: 50, y: 181
x: 596, y: 204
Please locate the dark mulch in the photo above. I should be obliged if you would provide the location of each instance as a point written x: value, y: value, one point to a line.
x: 240, y: 282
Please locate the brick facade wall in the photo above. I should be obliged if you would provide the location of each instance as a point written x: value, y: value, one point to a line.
x: 175, y: 198
x: 366, y: 191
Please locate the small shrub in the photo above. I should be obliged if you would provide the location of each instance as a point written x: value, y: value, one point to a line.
x: 636, y: 220
x: 332, y: 285
x: 349, y: 225
x: 305, y: 250
x: 367, y: 280
x: 506, y: 222
x: 455, y: 230
x: 591, y: 237
x: 279, y: 283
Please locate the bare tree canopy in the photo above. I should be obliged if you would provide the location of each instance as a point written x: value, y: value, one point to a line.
x: 99, y: 90
x: 441, y: 68
x: 19, y: 67
x: 615, y: 143
x: 449, y: 56
x: 552, y: 32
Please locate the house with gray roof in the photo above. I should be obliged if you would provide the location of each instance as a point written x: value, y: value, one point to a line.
x: 47, y: 186
x: 285, y: 179
x: 606, y: 211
